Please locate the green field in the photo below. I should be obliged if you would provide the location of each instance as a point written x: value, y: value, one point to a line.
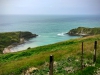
x: 67, y: 58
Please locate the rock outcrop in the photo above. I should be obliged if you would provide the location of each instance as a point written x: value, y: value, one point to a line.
x: 27, y: 35
x: 83, y: 31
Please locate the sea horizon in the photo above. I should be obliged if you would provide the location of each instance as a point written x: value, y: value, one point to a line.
x: 50, y: 28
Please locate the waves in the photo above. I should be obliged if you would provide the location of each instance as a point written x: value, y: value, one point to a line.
x: 62, y: 34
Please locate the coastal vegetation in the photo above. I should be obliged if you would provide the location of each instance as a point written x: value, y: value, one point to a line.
x: 67, y: 55
x: 7, y: 39
x: 83, y: 31
x: 13, y: 38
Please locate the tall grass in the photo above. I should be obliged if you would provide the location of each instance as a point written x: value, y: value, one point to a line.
x: 18, y: 62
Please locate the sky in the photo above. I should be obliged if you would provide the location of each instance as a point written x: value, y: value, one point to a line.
x: 50, y: 7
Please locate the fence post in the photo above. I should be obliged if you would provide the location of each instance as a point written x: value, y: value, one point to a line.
x: 95, y: 49
x: 82, y: 57
x: 51, y: 65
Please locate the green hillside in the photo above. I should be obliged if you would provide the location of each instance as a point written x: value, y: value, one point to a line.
x: 13, y: 38
x: 67, y: 59
x: 7, y: 39
x: 84, y: 31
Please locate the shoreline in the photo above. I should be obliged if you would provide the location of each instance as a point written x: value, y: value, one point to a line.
x: 8, y: 48
x: 21, y: 38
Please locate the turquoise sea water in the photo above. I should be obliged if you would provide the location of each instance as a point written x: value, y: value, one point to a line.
x: 50, y: 28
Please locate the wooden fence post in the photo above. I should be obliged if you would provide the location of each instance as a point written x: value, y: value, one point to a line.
x: 95, y: 49
x: 82, y: 57
x: 51, y: 65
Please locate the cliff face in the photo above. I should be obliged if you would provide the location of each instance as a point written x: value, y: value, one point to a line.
x: 83, y: 31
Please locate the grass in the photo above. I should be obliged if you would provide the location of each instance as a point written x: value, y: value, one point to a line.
x: 65, y: 55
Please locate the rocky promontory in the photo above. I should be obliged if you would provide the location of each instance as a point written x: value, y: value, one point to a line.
x: 83, y: 31
x: 9, y: 40
x: 26, y: 35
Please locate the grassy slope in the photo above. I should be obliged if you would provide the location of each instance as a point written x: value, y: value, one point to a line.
x: 16, y: 63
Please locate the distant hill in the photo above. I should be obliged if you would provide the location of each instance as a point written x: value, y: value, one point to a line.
x: 13, y: 38
x: 83, y: 31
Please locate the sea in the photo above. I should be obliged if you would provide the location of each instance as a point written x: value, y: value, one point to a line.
x: 49, y: 28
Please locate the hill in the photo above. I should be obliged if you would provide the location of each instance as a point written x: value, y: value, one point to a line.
x: 13, y: 38
x: 83, y: 31
x: 67, y: 59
